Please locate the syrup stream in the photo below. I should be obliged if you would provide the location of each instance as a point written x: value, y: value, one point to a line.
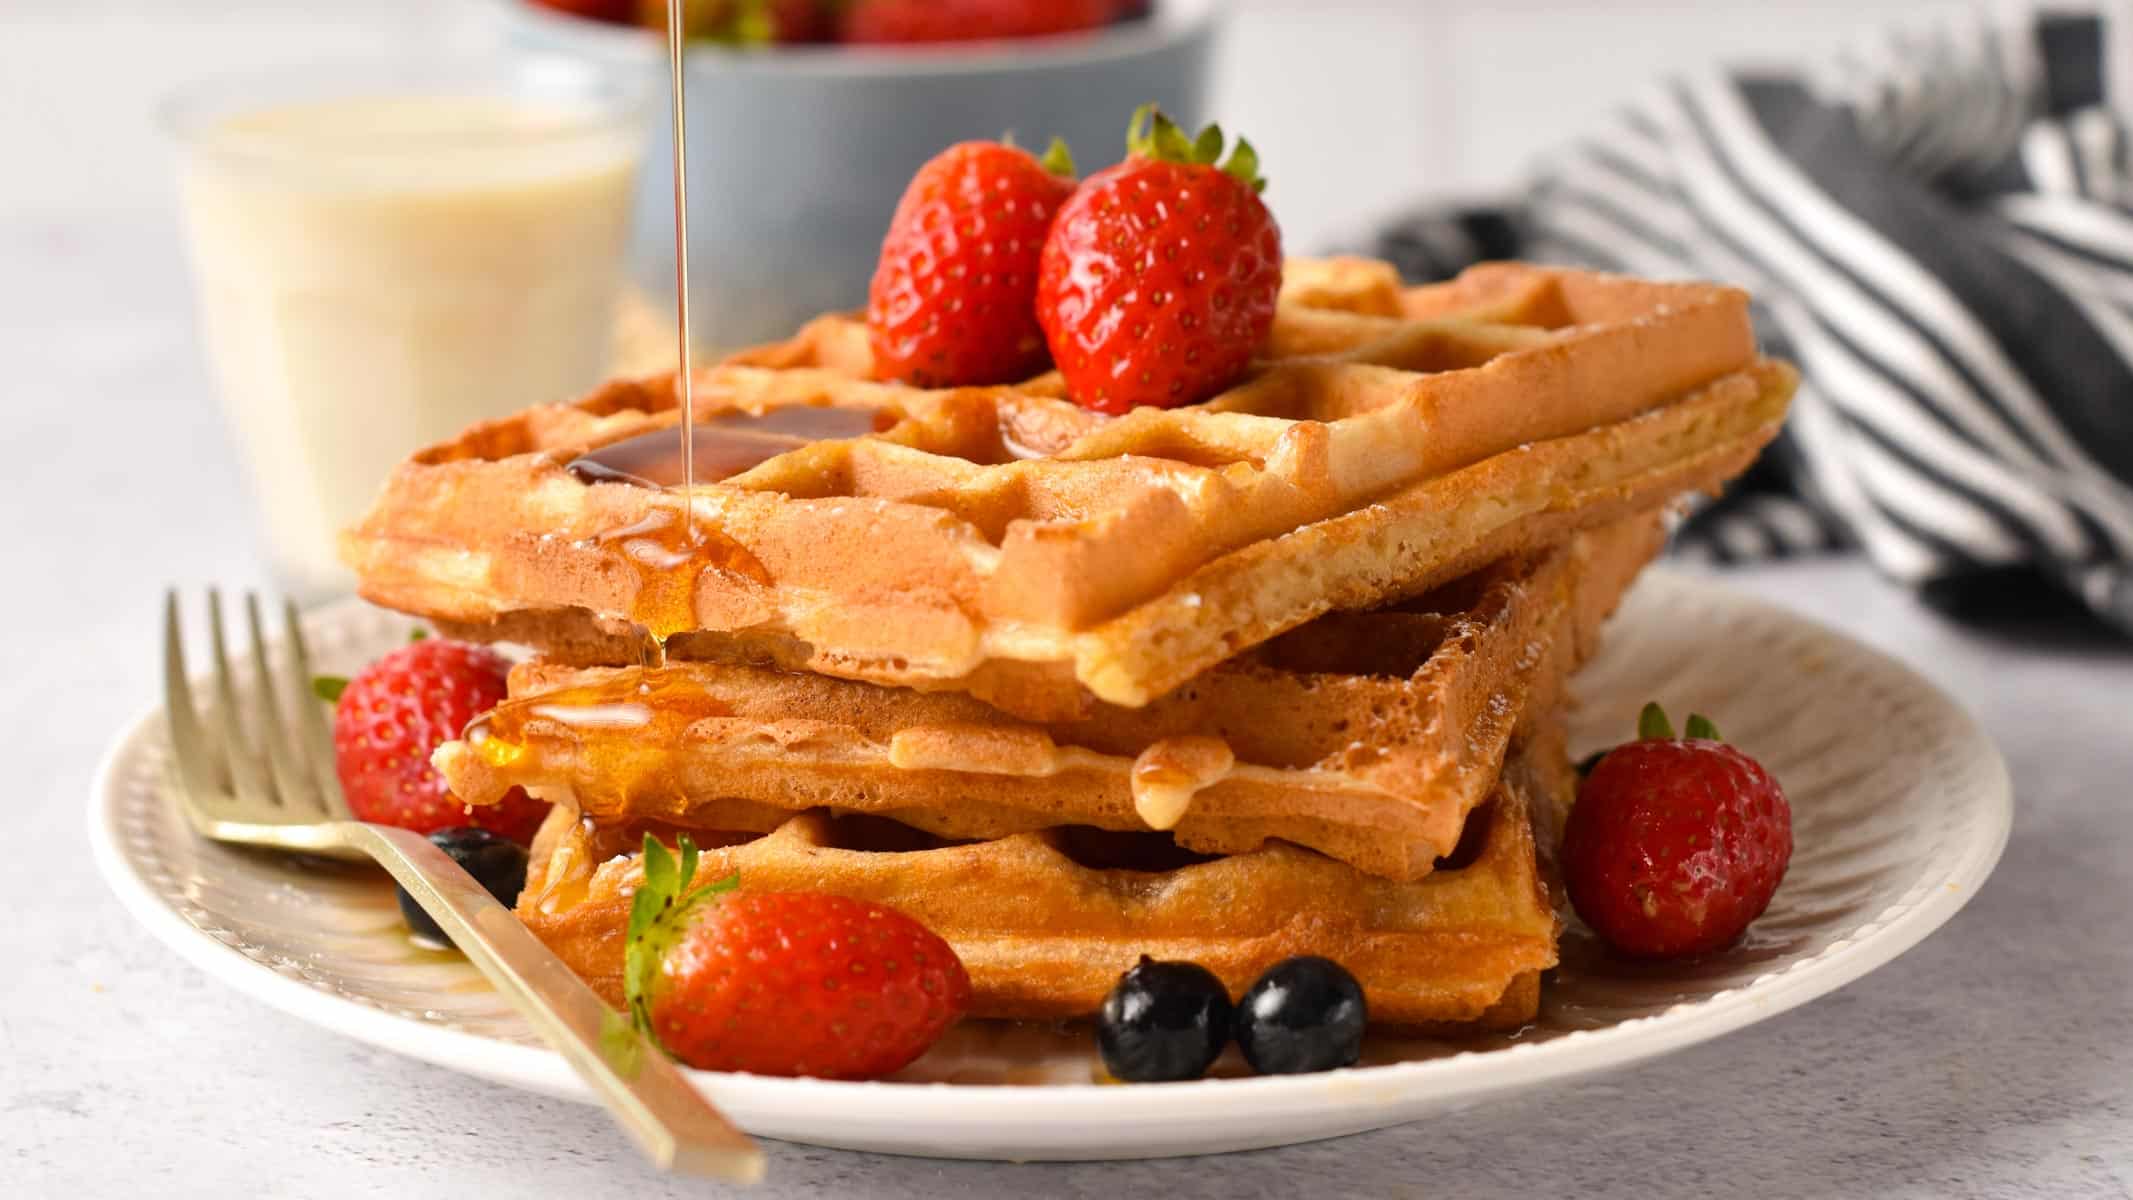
x: 681, y: 267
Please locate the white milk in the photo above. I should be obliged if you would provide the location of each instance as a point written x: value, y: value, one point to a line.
x: 376, y: 274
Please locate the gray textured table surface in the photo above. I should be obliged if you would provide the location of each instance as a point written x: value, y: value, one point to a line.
x: 1994, y: 1060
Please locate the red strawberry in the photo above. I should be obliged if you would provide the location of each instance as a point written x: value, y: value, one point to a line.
x: 783, y: 983
x: 1675, y: 844
x: 613, y: 11
x: 395, y: 713
x: 950, y: 305
x: 1159, y: 278
x: 909, y: 21
x: 742, y: 22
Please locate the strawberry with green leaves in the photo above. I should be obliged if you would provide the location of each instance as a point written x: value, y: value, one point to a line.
x: 1675, y: 844
x: 951, y: 303
x: 782, y: 983
x: 1158, y: 280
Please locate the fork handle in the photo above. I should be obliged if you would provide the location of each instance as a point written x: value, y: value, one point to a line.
x: 645, y: 1091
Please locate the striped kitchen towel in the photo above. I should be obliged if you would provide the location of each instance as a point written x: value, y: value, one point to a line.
x: 1940, y: 232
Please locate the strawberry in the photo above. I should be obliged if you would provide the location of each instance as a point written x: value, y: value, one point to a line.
x: 1675, y: 844
x: 742, y: 22
x: 396, y: 712
x: 783, y: 983
x: 912, y: 21
x: 1158, y: 282
x: 951, y: 302
x: 615, y: 12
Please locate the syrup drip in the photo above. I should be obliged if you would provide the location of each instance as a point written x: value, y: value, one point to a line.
x: 725, y: 446
x: 669, y: 558
x: 1168, y: 774
x: 617, y: 735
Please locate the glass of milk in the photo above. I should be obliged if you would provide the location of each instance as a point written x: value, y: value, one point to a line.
x: 386, y: 253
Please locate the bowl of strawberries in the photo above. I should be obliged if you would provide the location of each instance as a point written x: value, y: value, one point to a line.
x: 807, y: 117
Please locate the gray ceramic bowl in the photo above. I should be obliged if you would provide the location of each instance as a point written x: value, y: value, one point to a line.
x: 797, y: 156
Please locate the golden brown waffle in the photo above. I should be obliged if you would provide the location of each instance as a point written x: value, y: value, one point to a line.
x: 1046, y: 922
x: 1005, y: 542
x: 1366, y: 736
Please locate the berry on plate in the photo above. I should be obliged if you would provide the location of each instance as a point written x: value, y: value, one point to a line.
x: 952, y: 301
x: 393, y: 715
x: 1157, y: 284
x: 783, y: 983
x: 496, y: 862
x: 1163, y: 1021
x: 1304, y: 1014
x: 913, y: 21
x: 1675, y: 844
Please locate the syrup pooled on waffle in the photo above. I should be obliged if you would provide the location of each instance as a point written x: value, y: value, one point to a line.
x: 1006, y: 543
x: 1235, y: 716
x: 1368, y: 737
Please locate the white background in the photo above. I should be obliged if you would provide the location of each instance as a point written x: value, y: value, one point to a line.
x: 1356, y: 105
x: 1994, y: 1060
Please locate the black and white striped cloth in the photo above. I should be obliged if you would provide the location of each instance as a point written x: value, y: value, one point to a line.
x: 1939, y: 231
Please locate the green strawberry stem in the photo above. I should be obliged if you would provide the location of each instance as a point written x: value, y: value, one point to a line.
x: 658, y: 914
x: 1152, y: 135
x: 329, y: 687
x: 1653, y: 725
x: 1058, y: 159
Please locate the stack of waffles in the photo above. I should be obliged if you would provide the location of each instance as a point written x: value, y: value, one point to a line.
x: 1280, y: 673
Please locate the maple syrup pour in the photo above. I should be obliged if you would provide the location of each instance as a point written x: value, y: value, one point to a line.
x: 616, y: 735
x: 676, y: 27
x: 725, y: 446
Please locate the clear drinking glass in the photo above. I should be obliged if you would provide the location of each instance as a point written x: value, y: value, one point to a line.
x: 387, y: 252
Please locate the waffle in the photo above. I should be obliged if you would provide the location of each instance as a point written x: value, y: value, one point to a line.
x: 1046, y: 922
x: 1368, y: 737
x: 1006, y: 543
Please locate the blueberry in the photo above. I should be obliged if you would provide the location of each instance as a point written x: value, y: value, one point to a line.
x: 1163, y: 1020
x: 497, y: 862
x: 1304, y: 1014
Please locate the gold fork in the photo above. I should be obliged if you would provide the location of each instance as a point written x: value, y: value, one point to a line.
x: 245, y: 775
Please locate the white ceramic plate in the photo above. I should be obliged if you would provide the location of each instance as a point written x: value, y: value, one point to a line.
x: 1900, y: 806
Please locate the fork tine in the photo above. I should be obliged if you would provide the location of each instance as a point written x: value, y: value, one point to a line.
x: 314, y: 739
x: 245, y: 776
x: 291, y: 782
x: 191, y: 749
